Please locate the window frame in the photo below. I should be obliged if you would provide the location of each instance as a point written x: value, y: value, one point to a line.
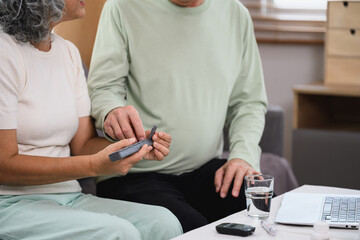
x: 286, y: 25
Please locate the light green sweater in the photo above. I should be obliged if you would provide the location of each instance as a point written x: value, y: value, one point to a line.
x: 187, y: 70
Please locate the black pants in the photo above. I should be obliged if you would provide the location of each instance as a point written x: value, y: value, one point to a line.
x: 191, y: 197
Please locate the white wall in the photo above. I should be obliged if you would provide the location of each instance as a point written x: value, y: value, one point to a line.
x: 286, y: 65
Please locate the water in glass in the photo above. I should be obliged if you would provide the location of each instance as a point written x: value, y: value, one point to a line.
x: 258, y: 201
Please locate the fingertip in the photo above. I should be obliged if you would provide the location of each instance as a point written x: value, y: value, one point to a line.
x: 132, y: 140
x: 161, y: 134
x: 235, y: 193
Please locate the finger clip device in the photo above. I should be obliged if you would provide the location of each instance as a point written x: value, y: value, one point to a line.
x: 133, y: 148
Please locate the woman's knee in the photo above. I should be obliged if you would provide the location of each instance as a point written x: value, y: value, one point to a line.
x: 118, y: 229
x: 167, y: 225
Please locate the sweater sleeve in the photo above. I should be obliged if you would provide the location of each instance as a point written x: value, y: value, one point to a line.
x: 248, y: 102
x: 109, y: 65
x: 11, y: 83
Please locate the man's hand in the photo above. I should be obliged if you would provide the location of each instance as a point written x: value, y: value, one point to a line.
x: 234, y: 170
x: 124, y: 123
x: 161, y: 146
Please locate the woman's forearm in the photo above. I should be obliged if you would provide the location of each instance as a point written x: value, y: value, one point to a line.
x: 91, y: 146
x: 90, y: 158
x: 24, y: 170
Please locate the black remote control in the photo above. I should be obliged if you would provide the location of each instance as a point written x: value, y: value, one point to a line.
x: 133, y: 148
x: 235, y: 229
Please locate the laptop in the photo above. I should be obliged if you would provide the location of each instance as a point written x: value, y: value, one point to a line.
x: 342, y: 211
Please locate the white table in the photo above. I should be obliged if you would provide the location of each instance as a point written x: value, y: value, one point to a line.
x: 285, y: 232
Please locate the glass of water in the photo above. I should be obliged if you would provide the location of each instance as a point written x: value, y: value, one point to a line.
x: 259, y: 191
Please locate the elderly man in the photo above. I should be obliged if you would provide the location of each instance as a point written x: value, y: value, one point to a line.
x: 190, y: 67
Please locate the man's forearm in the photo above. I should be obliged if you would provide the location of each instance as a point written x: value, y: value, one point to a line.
x: 245, y: 133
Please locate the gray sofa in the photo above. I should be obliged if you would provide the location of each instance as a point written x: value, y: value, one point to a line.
x: 271, y: 162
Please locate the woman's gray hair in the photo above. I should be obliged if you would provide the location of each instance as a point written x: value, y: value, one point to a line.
x: 29, y: 20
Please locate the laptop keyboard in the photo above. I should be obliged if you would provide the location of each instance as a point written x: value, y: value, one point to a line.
x: 341, y: 209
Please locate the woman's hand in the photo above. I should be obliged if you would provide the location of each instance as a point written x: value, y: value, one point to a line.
x: 101, y: 164
x: 161, y: 146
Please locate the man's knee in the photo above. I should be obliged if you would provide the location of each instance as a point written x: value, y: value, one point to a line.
x: 189, y: 217
x: 191, y: 222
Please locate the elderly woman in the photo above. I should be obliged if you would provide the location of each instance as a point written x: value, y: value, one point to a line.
x: 44, y: 116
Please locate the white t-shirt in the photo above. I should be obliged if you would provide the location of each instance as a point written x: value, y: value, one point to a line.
x: 42, y: 96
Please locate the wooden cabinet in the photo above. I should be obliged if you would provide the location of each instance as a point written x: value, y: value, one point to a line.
x: 326, y: 135
x: 342, y: 44
x: 319, y: 106
x: 343, y: 14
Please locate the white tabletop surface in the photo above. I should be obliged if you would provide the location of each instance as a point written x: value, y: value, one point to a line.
x: 285, y: 232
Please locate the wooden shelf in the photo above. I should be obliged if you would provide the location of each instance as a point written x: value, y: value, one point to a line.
x: 318, y: 88
x: 318, y: 106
